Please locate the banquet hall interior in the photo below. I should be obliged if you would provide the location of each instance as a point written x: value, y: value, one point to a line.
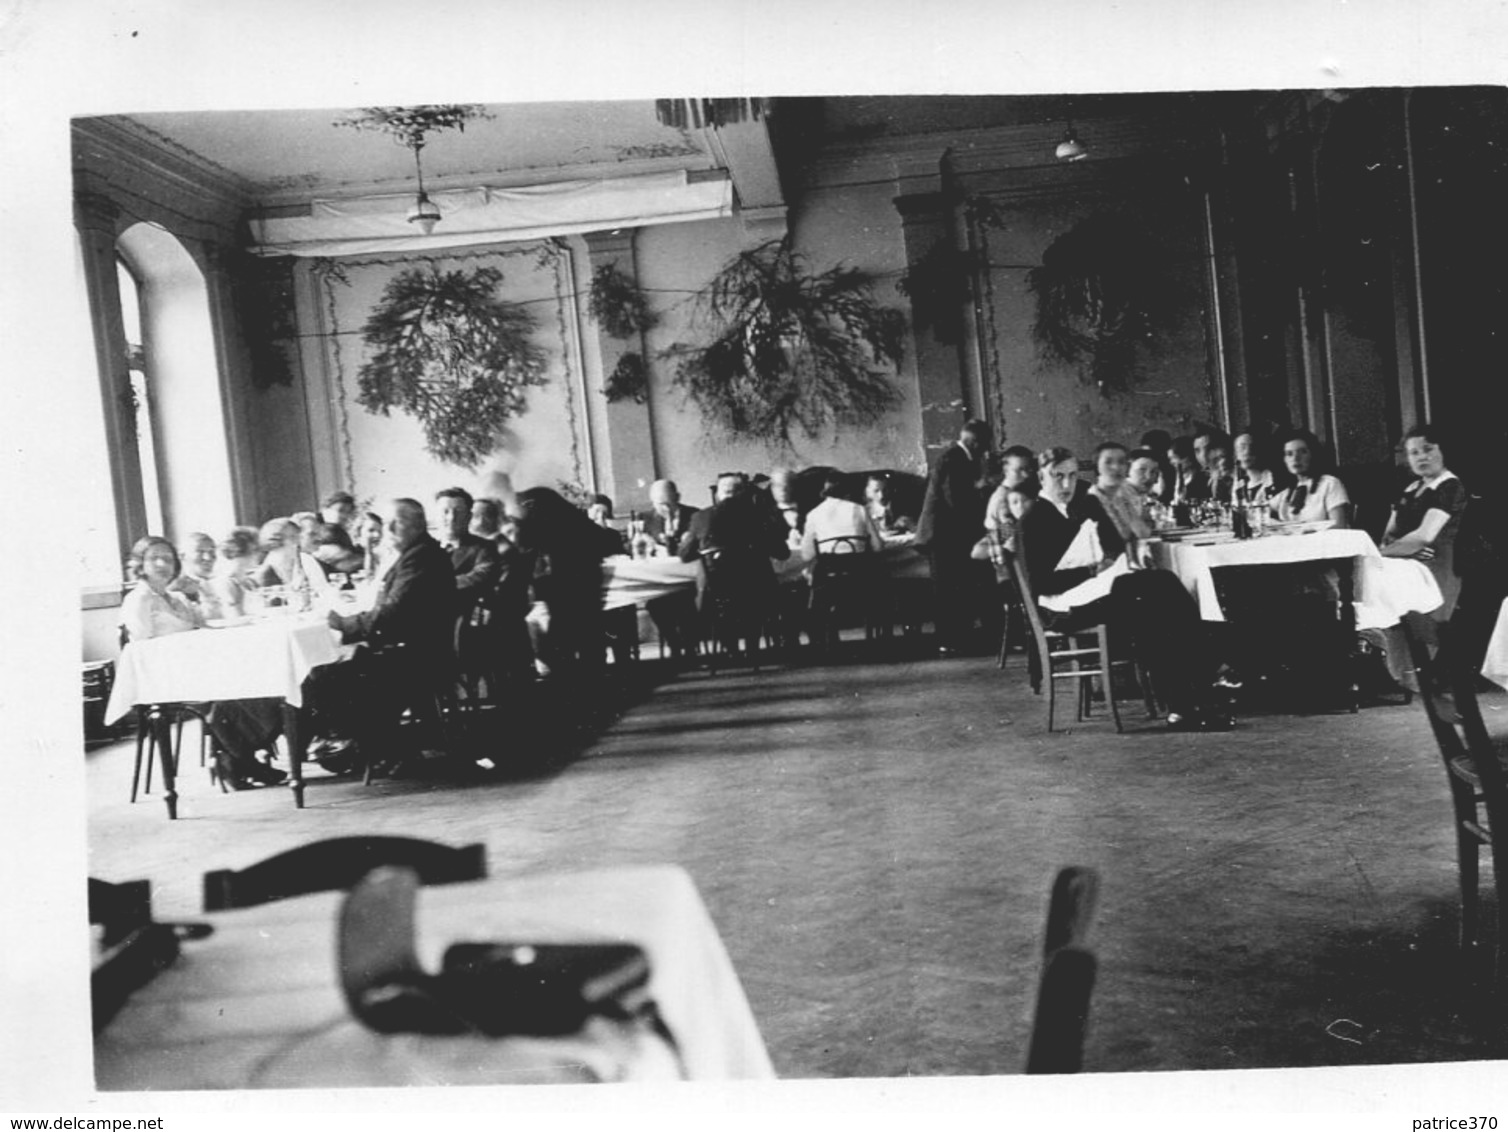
x: 873, y: 827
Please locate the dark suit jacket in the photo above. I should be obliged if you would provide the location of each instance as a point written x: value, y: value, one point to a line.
x: 415, y: 606
x: 655, y: 527
x: 1043, y: 537
x: 953, y: 510
x: 748, y: 530
x: 477, y: 567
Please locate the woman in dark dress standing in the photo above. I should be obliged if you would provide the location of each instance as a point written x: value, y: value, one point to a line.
x: 1427, y: 516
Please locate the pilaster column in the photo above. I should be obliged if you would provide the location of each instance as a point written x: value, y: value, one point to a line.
x: 626, y: 458
x: 96, y: 217
x: 942, y: 385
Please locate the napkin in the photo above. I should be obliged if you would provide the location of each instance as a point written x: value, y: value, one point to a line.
x: 1085, y: 550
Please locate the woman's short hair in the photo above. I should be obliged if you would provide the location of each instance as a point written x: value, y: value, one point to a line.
x: 1425, y: 430
x: 138, y: 556
x: 1319, y: 458
x: 240, y: 542
x: 338, y: 497
x: 832, y: 487
x: 1029, y: 488
x: 1143, y: 454
x: 1157, y: 439
x: 1107, y: 446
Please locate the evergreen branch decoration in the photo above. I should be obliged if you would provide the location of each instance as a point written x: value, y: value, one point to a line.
x: 789, y: 349
x: 453, y: 355
x: 1098, y: 296
x: 629, y: 380
x: 411, y: 125
x: 616, y: 303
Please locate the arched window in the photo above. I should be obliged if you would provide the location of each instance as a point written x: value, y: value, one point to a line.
x: 141, y: 395
x: 176, y: 406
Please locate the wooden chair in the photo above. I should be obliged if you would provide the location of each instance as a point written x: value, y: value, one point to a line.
x: 132, y: 949
x: 1068, y: 973
x: 843, y: 575
x: 728, y: 614
x: 338, y: 863
x: 1474, y: 771
x: 1082, y: 656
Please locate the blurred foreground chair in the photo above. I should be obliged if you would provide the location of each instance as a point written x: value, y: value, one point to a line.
x: 338, y: 863
x: 1474, y: 771
x: 1068, y: 971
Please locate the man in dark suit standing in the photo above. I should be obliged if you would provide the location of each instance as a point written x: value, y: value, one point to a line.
x: 670, y: 519
x: 952, y: 521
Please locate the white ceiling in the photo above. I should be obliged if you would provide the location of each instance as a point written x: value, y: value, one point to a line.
x: 286, y: 157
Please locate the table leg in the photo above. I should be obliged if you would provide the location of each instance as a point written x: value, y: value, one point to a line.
x: 162, y: 732
x: 1345, y: 569
x: 296, y: 740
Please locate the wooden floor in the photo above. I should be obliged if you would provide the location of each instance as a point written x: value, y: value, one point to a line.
x: 875, y: 841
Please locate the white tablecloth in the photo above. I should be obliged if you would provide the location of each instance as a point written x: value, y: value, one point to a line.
x: 1495, y: 667
x: 1385, y: 588
x: 258, y: 1004
x: 264, y: 658
x: 637, y: 581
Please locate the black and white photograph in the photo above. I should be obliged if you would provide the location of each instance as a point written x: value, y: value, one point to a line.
x: 768, y: 558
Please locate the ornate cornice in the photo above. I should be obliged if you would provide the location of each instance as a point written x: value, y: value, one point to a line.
x: 105, y: 145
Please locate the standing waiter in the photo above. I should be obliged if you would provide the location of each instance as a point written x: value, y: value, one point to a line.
x: 952, y: 521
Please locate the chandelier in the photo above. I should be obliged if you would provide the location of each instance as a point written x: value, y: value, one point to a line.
x: 411, y: 126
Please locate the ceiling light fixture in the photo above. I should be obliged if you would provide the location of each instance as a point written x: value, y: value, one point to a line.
x: 425, y: 213
x: 1070, y: 148
x: 411, y: 126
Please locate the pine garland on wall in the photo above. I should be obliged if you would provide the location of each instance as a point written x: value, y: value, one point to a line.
x: 788, y: 349
x: 452, y: 355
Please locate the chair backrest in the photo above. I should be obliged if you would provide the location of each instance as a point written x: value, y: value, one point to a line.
x: 119, y: 908
x: 1016, y: 560
x: 338, y: 863
x: 1068, y: 974
x: 1447, y: 690
x: 1430, y: 658
x: 842, y: 544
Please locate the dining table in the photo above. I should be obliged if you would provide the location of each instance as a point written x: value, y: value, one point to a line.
x: 256, y: 1003
x: 1495, y: 664
x: 263, y: 657
x: 1383, y: 589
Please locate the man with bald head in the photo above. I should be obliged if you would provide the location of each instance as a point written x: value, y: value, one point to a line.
x: 670, y: 519
x: 363, y: 698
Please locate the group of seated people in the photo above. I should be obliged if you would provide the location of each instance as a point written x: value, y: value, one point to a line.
x: 1041, y: 505
x: 496, y: 558
x: 486, y: 564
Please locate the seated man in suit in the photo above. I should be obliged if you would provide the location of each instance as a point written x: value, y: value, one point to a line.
x: 666, y: 525
x: 473, y: 558
x: 669, y: 519
x: 409, y: 637
x: 745, y: 530
x: 1150, y: 609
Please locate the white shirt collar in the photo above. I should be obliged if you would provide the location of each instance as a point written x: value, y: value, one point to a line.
x: 1437, y: 481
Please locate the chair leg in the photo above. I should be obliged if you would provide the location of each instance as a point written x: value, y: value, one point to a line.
x: 143, y: 737
x: 1466, y: 854
x: 1052, y: 693
x: 1109, y: 677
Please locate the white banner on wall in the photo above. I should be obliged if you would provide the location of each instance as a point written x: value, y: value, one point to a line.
x: 365, y: 225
